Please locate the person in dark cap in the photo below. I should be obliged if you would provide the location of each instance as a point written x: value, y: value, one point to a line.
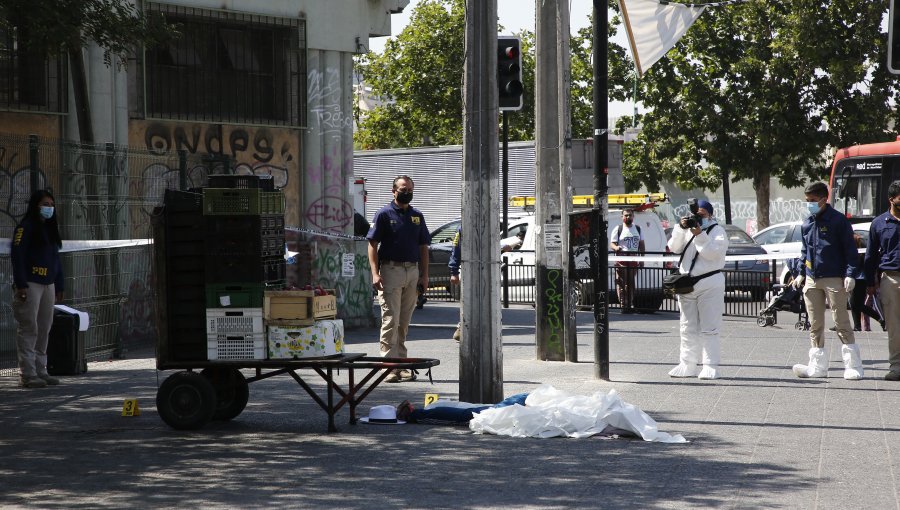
x: 704, y: 243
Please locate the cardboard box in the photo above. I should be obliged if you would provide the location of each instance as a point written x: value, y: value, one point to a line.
x: 322, y: 338
x: 286, y: 305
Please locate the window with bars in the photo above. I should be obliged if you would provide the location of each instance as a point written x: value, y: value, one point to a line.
x: 30, y: 80
x: 227, y: 67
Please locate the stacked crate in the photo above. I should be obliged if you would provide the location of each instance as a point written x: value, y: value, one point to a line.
x: 244, y: 231
x: 302, y: 324
x: 184, y: 274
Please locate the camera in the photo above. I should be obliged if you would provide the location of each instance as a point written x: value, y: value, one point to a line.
x: 693, y: 220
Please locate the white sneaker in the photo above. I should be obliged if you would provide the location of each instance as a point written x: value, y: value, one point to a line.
x: 685, y: 370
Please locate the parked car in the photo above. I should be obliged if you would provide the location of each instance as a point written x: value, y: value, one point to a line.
x: 753, y: 276
x: 780, y: 238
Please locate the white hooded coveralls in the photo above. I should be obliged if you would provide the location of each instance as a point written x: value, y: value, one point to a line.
x: 702, y: 309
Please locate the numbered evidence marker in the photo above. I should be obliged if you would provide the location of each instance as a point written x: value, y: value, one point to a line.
x: 431, y: 398
x: 130, y: 407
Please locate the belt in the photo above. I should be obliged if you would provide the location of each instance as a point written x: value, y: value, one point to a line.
x: 399, y: 264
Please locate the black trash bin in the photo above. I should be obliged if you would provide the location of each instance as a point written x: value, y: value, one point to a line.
x: 65, y: 350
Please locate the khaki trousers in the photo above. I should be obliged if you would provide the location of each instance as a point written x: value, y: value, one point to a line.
x: 398, y: 301
x: 34, y: 316
x: 814, y: 294
x: 889, y: 291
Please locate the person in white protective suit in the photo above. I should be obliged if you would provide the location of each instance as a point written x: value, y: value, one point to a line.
x: 704, y: 243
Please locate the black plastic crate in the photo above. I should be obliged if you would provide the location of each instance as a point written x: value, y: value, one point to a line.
x: 186, y: 249
x: 245, y: 269
x: 262, y: 182
x: 182, y: 201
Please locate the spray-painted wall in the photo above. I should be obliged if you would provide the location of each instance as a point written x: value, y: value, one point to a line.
x: 327, y: 204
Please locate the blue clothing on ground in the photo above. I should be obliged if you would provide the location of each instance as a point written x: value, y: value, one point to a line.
x: 883, y: 251
x: 33, y: 260
x: 446, y: 415
x: 400, y: 232
x: 828, y: 248
x: 456, y: 254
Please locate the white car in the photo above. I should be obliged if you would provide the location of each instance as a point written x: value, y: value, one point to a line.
x: 648, y: 292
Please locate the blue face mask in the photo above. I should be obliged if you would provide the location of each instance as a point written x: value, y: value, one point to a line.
x: 813, y: 207
x: 46, y: 212
x: 705, y: 222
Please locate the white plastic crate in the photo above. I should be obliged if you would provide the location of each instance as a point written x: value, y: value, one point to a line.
x: 234, y: 321
x: 236, y: 347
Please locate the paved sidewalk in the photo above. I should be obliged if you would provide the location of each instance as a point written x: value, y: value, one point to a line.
x: 759, y: 438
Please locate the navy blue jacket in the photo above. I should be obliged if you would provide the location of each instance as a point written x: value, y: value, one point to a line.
x: 883, y: 252
x: 400, y: 233
x: 828, y: 249
x: 33, y: 261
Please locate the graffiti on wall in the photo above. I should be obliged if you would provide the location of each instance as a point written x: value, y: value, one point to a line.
x: 252, y: 151
x: 354, y: 295
x: 326, y: 115
x: 15, y: 186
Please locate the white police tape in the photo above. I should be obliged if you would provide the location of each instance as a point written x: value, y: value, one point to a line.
x: 729, y: 258
x: 70, y: 246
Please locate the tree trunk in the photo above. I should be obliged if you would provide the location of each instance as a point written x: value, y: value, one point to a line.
x: 761, y: 186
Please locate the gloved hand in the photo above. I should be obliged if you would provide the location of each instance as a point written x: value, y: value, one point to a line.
x: 798, y: 282
x: 849, y: 283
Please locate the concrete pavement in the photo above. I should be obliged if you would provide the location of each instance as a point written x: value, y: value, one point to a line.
x: 759, y: 437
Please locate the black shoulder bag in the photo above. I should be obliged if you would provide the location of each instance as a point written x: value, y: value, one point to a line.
x: 677, y: 283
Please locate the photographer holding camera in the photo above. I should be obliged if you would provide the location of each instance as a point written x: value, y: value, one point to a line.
x: 702, y: 243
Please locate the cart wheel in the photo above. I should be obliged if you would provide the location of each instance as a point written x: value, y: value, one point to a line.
x: 232, y: 391
x: 799, y: 326
x: 762, y: 322
x: 186, y: 401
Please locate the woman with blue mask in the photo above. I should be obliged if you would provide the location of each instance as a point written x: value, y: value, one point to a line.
x: 38, y: 282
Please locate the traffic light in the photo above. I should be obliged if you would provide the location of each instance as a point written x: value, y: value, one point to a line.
x: 894, y: 38
x: 509, y: 73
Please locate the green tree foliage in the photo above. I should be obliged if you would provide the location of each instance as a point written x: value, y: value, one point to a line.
x: 58, y: 26
x: 764, y: 89
x: 421, y: 71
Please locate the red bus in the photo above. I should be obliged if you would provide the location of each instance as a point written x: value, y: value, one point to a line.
x: 860, y: 176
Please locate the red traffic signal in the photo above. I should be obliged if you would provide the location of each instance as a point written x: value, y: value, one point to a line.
x: 509, y: 73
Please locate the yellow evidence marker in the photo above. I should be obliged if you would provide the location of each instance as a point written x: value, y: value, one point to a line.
x: 431, y: 398
x: 130, y: 407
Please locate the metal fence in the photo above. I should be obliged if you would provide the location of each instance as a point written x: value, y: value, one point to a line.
x: 747, y: 292
x: 103, y: 192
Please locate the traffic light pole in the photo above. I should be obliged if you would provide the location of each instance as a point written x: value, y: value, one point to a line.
x: 600, y: 260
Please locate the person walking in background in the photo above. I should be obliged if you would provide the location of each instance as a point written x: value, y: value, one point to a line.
x: 882, y: 271
x: 858, y: 306
x: 38, y: 285
x: 625, y: 240
x: 704, y: 243
x: 398, y: 260
x: 829, y: 260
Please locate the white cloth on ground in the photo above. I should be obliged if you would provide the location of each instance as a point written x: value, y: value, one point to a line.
x: 549, y: 412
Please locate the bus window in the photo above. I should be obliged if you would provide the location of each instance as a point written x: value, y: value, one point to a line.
x: 858, y: 197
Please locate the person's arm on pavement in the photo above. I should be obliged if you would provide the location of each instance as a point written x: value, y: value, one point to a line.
x: 873, y: 257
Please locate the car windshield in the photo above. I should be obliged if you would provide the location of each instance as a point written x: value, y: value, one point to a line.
x: 738, y: 236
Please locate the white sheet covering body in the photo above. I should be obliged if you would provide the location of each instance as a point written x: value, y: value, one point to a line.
x: 549, y: 412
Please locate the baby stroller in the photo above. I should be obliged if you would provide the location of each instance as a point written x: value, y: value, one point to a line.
x: 788, y: 299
